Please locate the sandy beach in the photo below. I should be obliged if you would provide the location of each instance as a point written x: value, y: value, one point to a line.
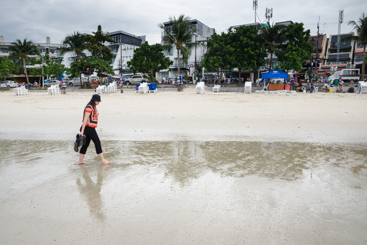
x: 186, y: 168
x: 170, y: 115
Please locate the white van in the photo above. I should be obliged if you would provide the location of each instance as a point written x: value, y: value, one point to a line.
x: 347, y: 75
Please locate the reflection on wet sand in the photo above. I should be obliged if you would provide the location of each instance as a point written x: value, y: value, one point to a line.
x: 189, y: 192
x: 92, y: 191
x: 186, y: 160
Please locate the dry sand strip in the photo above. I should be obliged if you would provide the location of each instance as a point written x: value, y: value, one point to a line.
x: 171, y: 115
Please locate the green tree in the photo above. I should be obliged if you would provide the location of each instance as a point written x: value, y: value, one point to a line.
x: 6, y: 67
x: 179, y: 36
x: 53, y: 68
x: 75, y: 43
x: 22, y: 50
x: 248, y: 53
x: 149, y: 59
x: 273, y: 38
x: 361, y: 28
x: 296, y: 48
x: 101, y: 54
x: 218, y: 54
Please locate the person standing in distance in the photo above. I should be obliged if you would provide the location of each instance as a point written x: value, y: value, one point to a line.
x: 90, y: 120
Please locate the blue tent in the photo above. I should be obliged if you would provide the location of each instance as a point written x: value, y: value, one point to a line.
x: 275, y: 74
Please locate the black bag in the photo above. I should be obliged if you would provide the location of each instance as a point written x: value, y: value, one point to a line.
x: 80, y: 140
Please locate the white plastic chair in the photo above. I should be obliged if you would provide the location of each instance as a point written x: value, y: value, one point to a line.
x: 216, y: 88
x: 98, y: 89
x: 143, y: 88
x: 17, y: 91
x: 316, y: 89
x: 248, y: 87
x: 57, y: 89
x: 200, y: 88
x: 363, y: 87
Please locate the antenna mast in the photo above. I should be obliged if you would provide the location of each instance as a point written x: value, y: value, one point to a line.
x: 269, y: 14
x: 255, y: 8
x: 341, y: 14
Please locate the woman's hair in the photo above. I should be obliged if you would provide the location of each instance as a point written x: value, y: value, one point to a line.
x: 92, y: 103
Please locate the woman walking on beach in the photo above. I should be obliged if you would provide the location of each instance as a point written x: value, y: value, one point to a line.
x: 90, y: 120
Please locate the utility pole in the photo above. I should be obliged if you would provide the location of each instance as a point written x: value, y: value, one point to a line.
x: 341, y: 13
x: 269, y: 14
x: 195, y: 54
x: 317, y: 44
x: 255, y: 8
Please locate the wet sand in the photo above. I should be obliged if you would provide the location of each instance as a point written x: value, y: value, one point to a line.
x: 179, y: 176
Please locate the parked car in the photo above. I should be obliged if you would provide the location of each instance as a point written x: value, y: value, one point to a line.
x: 49, y: 82
x: 136, y: 79
x: 76, y: 81
x: 8, y: 84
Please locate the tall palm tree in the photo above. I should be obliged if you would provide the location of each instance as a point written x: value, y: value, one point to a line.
x: 22, y: 50
x: 273, y: 36
x: 180, y: 36
x: 361, y: 29
x: 75, y: 43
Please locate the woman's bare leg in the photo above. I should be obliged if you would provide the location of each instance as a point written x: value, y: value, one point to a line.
x: 81, y: 159
x: 103, y: 161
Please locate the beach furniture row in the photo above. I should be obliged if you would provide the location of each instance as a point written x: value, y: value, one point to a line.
x: 53, y: 90
x: 103, y: 89
x: 20, y: 90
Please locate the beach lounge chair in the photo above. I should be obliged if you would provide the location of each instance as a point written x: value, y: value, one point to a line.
x: 216, y: 88
x: 153, y: 88
x: 248, y: 87
x: 200, y: 88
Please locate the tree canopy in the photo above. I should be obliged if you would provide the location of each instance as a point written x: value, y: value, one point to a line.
x: 6, y: 67
x: 101, y: 54
x: 149, y: 59
x: 296, y: 48
x: 247, y: 52
x: 218, y: 54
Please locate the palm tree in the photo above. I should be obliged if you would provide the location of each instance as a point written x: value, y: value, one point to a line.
x: 179, y: 36
x: 273, y: 36
x: 361, y: 29
x: 22, y: 50
x: 75, y: 43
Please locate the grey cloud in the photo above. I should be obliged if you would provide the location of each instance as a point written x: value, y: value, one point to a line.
x: 35, y: 20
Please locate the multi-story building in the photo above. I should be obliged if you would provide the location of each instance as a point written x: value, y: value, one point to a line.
x: 203, y: 33
x: 52, y: 49
x: 319, y: 49
x: 345, y: 50
x: 358, y: 56
x: 123, y: 50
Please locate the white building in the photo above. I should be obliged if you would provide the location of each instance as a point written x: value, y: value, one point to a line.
x: 45, y: 48
x: 203, y: 33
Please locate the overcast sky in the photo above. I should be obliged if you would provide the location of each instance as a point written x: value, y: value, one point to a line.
x: 37, y: 19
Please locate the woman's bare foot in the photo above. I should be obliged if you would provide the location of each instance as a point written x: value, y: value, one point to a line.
x: 105, y: 162
x: 82, y: 162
